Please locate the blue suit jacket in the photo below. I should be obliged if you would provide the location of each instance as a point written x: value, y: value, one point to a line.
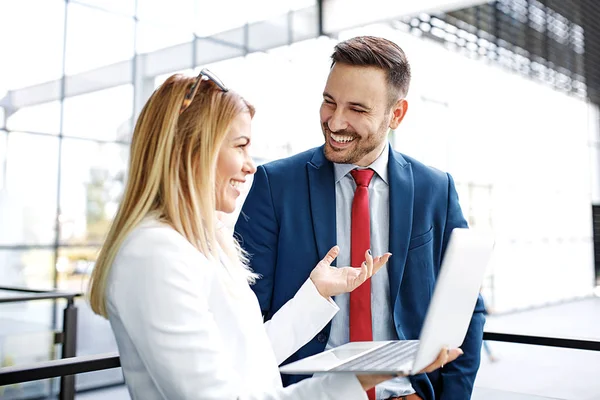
x: 288, y: 223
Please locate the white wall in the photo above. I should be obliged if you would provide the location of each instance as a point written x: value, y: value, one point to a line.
x: 520, y: 153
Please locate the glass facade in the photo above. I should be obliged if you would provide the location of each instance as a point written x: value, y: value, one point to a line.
x: 76, y: 74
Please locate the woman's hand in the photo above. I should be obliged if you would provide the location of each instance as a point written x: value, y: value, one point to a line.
x: 445, y: 356
x: 331, y: 281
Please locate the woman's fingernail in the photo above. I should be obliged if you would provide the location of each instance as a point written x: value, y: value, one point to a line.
x: 369, y: 251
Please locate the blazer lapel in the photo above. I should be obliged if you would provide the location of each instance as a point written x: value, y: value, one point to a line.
x: 322, y: 201
x: 401, y: 217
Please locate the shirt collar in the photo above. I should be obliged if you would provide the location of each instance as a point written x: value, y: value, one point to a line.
x: 379, y: 166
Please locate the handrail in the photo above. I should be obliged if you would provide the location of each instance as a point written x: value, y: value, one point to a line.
x: 27, y: 290
x: 568, y: 343
x: 36, y: 294
x: 56, y: 368
x: 40, y: 296
x: 77, y: 365
x: 68, y: 336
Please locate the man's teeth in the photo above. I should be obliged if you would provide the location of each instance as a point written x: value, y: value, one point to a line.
x: 235, y: 184
x: 342, y: 138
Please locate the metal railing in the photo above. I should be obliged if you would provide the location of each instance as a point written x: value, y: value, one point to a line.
x: 566, y: 343
x: 77, y: 365
x: 67, y: 337
x: 58, y: 368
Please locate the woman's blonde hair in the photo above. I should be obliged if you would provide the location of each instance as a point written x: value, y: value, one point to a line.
x: 172, y: 169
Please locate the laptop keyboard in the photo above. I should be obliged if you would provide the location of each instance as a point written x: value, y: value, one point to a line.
x: 386, y: 358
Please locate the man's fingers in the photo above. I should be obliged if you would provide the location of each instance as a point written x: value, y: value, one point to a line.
x: 439, y: 361
x: 331, y: 255
x: 444, y: 358
x: 453, y: 354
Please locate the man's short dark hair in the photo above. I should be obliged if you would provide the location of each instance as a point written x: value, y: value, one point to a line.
x: 371, y: 51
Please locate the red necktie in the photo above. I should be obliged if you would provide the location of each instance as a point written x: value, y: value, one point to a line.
x: 360, y: 299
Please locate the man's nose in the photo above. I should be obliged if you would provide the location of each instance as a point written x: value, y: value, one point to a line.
x: 337, y: 122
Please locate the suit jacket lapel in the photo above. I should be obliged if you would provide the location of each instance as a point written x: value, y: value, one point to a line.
x: 401, y: 217
x: 321, y: 186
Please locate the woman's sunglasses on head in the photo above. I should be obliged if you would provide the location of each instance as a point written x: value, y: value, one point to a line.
x: 204, y: 74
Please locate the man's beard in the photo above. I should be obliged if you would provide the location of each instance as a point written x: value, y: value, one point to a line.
x: 347, y: 156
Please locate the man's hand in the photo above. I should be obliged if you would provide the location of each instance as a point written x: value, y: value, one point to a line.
x: 445, y: 356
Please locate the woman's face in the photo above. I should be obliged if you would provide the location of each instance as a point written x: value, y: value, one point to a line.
x: 234, y: 163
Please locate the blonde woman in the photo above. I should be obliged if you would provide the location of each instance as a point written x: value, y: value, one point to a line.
x: 172, y: 280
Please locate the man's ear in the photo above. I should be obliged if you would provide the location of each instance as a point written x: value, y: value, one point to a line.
x: 398, y: 112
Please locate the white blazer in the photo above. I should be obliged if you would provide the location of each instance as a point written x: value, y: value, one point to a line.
x: 183, y: 332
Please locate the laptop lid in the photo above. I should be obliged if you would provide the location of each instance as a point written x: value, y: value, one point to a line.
x: 447, y: 320
x: 455, y: 294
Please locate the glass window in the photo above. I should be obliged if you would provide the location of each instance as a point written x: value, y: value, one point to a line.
x: 126, y: 7
x: 274, y: 8
x: 34, y: 52
x: 206, y: 24
x: 92, y: 180
x: 74, y: 266
x: 173, y: 13
x: 160, y: 79
x: 42, y: 118
x: 247, y: 75
x: 31, y: 268
x: 152, y: 36
x: 28, y: 201
x: 480, y: 210
x: 26, y: 334
x: 3, y: 139
x: 94, y: 336
x: 207, y: 18
x: 105, y: 114
x: 96, y: 38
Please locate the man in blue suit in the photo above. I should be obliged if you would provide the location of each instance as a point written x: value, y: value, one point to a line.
x: 299, y: 207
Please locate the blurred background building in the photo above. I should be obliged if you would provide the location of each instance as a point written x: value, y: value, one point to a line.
x: 504, y: 96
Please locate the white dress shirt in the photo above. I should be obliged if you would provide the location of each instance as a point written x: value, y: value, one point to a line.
x: 381, y: 301
x: 189, y: 328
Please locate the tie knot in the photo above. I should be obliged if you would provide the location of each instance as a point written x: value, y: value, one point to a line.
x: 362, y: 177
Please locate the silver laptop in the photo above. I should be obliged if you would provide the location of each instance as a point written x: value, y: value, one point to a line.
x: 445, y: 325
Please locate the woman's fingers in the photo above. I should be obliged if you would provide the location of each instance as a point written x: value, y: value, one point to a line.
x: 380, y: 262
x: 358, y: 275
x: 370, y: 266
x: 374, y: 264
x: 331, y: 255
x: 369, y: 260
x: 363, y: 275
